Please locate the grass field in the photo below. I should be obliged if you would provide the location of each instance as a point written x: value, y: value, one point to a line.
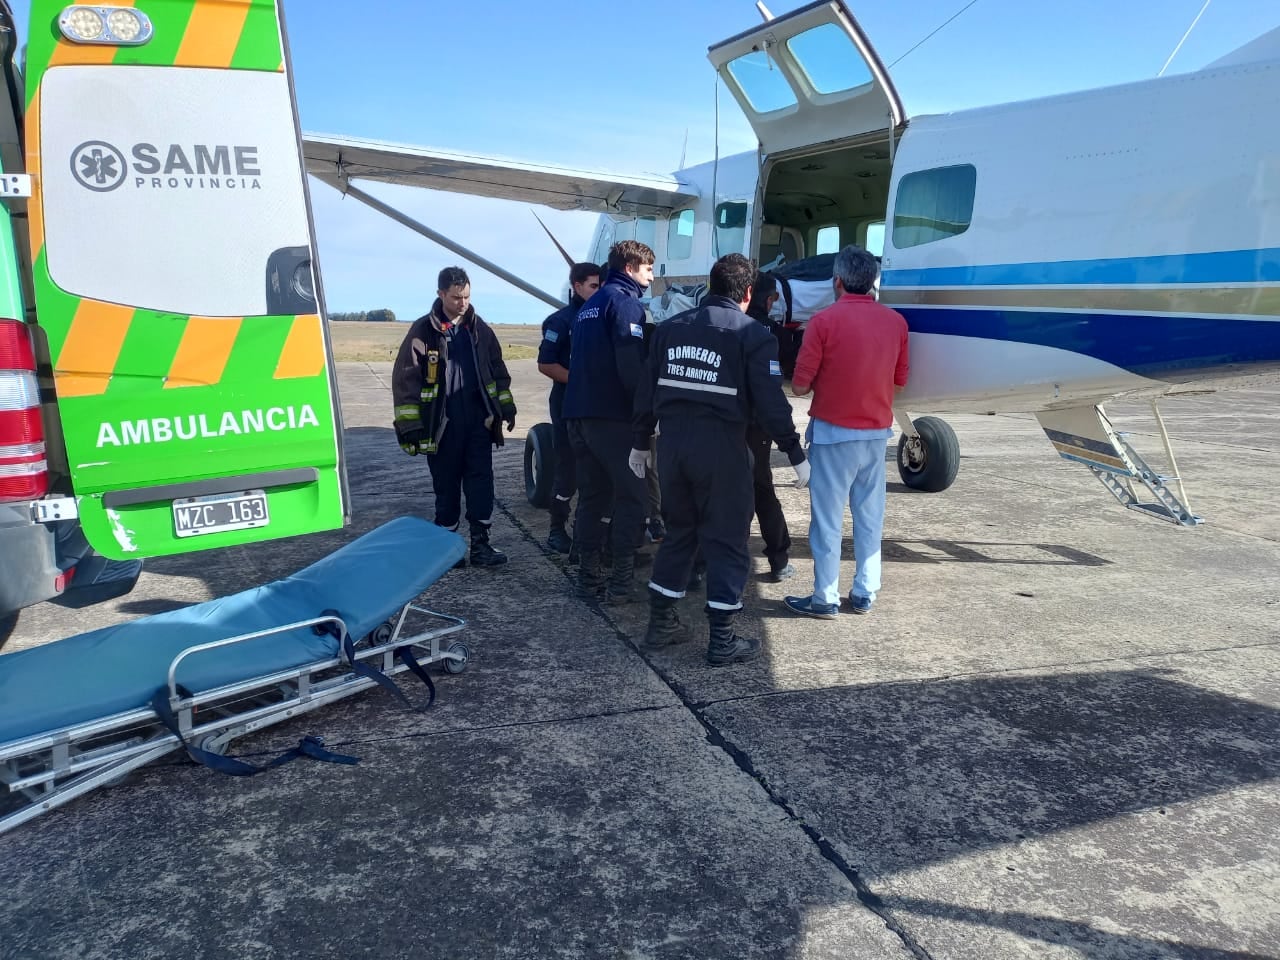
x: 373, y: 342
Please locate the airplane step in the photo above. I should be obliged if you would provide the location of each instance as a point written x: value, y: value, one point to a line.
x: 1085, y: 435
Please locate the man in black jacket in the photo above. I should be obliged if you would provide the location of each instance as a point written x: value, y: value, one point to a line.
x: 553, y: 361
x: 711, y: 371
x: 452, y: 392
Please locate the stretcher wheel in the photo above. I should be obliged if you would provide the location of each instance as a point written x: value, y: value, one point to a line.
x: 540, y: 465
x: 457, y: 666
x: 382, y: 633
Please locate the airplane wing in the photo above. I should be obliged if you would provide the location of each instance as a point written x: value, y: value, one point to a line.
x: 334, y: 159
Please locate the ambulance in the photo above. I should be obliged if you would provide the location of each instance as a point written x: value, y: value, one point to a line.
x: 166, y: 378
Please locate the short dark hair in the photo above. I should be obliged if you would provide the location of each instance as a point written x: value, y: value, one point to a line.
x: 629, y: 253
x: 856, y: 269
x: 764, y: 287
x: 582, y: 272
x: 453, y: 277
x: 731, y: 276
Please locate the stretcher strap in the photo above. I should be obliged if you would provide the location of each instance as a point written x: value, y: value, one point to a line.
x: 405, y: 656
x: 312, y: 747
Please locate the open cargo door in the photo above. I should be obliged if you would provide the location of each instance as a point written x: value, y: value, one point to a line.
x: 808, y: 77
x: 175, y: 275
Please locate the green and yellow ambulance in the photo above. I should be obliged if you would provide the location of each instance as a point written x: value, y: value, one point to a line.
x: 166, y: 382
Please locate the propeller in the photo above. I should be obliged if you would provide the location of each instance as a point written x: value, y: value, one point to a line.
x: 563, y: 252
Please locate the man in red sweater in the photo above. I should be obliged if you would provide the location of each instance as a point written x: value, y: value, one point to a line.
x: 854, y: 360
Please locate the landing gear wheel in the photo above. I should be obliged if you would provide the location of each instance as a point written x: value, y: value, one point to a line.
x: 540, y: 464
x: 457, y: 666
x: 930, y: 461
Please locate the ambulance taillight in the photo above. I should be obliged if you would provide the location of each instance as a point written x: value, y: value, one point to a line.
x: 24, y: 471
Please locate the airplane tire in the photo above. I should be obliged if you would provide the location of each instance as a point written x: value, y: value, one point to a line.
x: 932, y: 464
x: 540, y: 465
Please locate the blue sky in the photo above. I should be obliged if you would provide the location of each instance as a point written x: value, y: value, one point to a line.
x: 571, y: 83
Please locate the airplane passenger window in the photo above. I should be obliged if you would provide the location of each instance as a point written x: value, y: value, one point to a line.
x: 647, y: 231
x: 765, y: 87
x: 829, y: 59
x: 731, y: 226
x: 873, y: 242
x: 680, y: 236
x: 933, y: 205
x: 827, y: 241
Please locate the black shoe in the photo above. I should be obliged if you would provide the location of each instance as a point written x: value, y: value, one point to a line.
x: 559, y: 541
x: 665, y: 626
x: 591, y: 578
x: 483, y: 555
x: 622, y: 582
x: 575, y: 553
x: 725, y: 646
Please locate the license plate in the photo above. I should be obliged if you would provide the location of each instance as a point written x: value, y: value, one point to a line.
x: 193, y: 516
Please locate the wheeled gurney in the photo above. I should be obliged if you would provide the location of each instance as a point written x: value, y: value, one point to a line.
x: 85, y: 711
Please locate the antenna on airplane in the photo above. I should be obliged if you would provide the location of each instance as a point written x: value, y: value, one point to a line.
x: 563, y: 252
x: 937, y: 29
x: 764, y: 12
x: 684, y: 149
x: 1184, y: 38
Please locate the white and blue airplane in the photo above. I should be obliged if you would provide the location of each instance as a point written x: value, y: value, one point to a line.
x: 1049, y: 255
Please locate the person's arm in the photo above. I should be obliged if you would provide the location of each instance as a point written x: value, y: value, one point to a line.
x: 406, y: 386
x: 809, y: 360
x: 628, y: 343
x: 769, y: 406
x: 554, y: 334
x: 903, y: 368
x: 644, y: 418
x: 502, y: 380
x: 553, y: 370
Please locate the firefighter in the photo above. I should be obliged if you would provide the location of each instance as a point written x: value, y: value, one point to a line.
x: 605, y: 366
x: 711, y: 372
x: 452, y: 392
x: 553, y: 362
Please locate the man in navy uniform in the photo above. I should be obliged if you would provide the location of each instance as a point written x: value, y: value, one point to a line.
x: 711, y: 372
x: 452, y: 392
x: 604, y: 369
x: 553, y: 362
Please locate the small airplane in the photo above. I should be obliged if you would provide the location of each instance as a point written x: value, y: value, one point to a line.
x: 1049, y: 255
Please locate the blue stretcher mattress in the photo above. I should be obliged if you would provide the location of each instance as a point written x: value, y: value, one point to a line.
x: 116, y: 669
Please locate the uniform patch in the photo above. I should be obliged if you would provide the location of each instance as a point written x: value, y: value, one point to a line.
x: 775, y: 368
x: 637, y: 330
x: 552, y: 336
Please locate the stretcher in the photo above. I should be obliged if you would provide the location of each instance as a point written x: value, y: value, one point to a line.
x: 83, y: 712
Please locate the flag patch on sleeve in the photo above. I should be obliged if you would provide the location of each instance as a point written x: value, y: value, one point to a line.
x: 775, y: 368
x: 637, y: 330
x: 552, y: 336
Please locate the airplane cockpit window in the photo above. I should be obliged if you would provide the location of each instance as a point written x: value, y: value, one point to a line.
x: 680, y: 236
x: 765, y: 87
x: 731, y: 226
x: 647, y: 231
x: 873, y: 238
x: 830, y: 61
x: 933, y: 205
x: 601, y: 252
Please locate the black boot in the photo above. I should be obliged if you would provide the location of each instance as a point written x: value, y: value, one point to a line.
x: 665, y: 626
x: 482, y: 554
x: 590, y: 577
x: 575, y: 552
x: 726, y: 646
x: 622, y: 581
x: 558, y: 540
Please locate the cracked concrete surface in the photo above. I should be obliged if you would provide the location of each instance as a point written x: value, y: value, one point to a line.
x: 1056, y: 736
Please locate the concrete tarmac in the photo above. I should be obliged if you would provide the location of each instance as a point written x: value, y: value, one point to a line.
x: 1056, y: 736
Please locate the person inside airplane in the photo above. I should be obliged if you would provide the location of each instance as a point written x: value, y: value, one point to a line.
x: 553, y: 362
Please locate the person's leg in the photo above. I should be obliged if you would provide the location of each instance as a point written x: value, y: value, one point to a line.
x: 446, y: 477
x: 655, y: 526
x: 595, y: 494
x: 866, y: 502
x: 829, y: 479
x: 674, y: 559
x: 477, y: 486
x: 563, y: 488
x: 773, y: 525
x: 612, y: 441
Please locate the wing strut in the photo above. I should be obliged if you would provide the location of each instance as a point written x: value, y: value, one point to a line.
x: 344, y: 186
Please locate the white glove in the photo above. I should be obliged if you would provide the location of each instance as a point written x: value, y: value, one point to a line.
x: 639, y: 462
x: 802, y: 473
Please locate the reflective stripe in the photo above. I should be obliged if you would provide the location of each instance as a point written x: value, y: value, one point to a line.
x: 431, y: 447
x: 492, y: 389
x: 704, y: 387
x: 665, y: 592
x: 407, y: 411
x: 430, y: 393
x: 505, y: 397
x: 724, y: 606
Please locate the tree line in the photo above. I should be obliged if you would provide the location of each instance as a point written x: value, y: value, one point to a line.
x: 366, y: 316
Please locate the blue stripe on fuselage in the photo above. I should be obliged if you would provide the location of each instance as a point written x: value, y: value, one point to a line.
x: 1171, y: 348
x: 1228, y: 266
